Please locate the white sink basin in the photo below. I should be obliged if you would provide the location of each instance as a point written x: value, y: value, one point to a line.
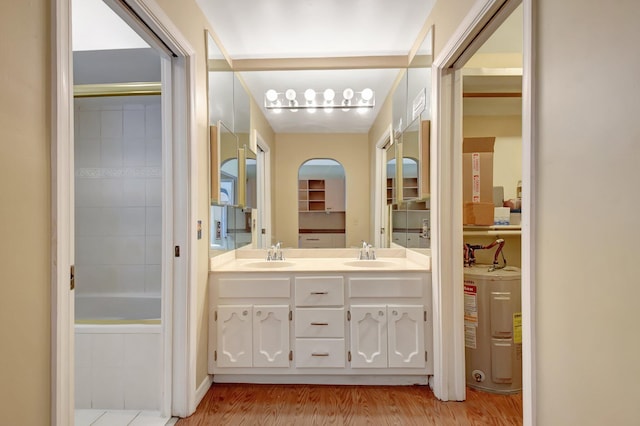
x: 369, y: 263
x: 269, y: 264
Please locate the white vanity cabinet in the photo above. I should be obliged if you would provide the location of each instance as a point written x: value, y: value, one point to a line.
x: 340, y: 326
x: 254, y: 333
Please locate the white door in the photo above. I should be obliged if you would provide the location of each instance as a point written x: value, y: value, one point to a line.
x: 334, y: 195
x: 234, y: 336
x: 271, y: 335
x: 406, y: 336
x: 368, y: 328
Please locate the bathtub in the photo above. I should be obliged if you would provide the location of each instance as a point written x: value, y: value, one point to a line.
x: 118, y: 352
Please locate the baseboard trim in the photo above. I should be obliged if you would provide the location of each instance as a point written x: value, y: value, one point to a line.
x: 322, y: 380
x: 203, y: 388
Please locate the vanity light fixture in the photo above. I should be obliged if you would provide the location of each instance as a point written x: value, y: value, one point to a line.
x: 324, y: 99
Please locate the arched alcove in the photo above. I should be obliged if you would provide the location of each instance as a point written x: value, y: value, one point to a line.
x: 321, y: 204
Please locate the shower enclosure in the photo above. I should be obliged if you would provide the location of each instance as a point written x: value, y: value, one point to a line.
x: 118, y: 241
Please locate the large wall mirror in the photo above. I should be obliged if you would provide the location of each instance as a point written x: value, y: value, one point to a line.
x: 410, y: 192
x: 231, y: 164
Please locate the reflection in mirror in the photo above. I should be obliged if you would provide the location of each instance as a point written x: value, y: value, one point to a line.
x: 411, y: 123
x: 399, y: 104
x: 321, y: 204
x: 391, y: 175
x: 251, y: 179
x: 220, y: 84
x: 228, y: 146
x: 220, y: 109
x: 230, y: 227
x: 411, y: 224
x: 410, y: 162
x: 241, y: 108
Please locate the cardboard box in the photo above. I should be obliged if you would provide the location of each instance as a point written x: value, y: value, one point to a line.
x: 477, y: 169
x: 478, y: 213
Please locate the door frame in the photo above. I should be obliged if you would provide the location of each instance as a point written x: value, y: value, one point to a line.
x: 264, y: 188
x: 380, y: 218
x: 446, y: 174
x: 179, y: 293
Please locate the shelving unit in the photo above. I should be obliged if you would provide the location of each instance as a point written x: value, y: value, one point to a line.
x: 495, y: 230
x: 311, y: 195
x: 410, y: 188
x: 316, y: 195
x: 390, y: 191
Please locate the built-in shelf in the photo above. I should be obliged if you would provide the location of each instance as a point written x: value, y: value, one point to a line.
x: 311, y: 195
x: 493, y: 230
x: 410, y: 190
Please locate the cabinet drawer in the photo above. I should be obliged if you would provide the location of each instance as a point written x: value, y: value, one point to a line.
x: 385, y: 287
x: 253, y: 287
x: 319, y: 291
x: 320, y: 353
x: 319, y: 322
x: 316, y: 241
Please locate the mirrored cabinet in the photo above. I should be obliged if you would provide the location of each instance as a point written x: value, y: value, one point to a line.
x: 232, y: 163
x: 408, y: 182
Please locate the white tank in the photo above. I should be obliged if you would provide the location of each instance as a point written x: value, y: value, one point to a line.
x: 493, y: 329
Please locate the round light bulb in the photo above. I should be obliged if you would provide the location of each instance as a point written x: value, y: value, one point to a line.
x: 348, y: 94
x: 367, y: 94
x: 290, y: 94
x: 329, y: 94
x: 272, y: 95
x: 310, y: 95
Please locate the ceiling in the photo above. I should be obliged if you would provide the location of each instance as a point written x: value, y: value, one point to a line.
x: 298, y: 30
x: 302, y: 29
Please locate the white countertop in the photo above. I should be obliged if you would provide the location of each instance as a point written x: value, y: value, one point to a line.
x: 321, y: 260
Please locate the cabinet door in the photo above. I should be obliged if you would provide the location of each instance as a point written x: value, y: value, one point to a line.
x: 234, y: 335
x: 271, y: 335
x: 406, y: 336
x: 368, y: 327
x: 334, y: 195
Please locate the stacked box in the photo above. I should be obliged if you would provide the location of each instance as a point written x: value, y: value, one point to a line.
x: 477, y: 178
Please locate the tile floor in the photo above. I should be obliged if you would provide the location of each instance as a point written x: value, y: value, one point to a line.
x: 121, y: 418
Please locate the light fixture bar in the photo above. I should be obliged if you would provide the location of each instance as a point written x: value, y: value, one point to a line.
x: 311, y: 99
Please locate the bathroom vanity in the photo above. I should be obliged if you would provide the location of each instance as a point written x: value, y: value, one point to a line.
x: 321, y: 316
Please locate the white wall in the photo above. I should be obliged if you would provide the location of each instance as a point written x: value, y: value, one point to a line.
x: 586, y: 212
x: 118, y: 179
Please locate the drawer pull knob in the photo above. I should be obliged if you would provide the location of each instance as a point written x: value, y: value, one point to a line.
x: 245, y: 313
x: 380, y: 313
x: 320, y: 354
x: 319, y: 323
x: 319, y: 292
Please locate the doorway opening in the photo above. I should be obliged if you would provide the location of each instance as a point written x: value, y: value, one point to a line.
x: 135, y: 221
x: 321, y: 204
x: 482, y: 21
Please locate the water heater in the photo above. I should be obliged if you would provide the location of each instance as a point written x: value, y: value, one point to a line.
x: 493, y: 328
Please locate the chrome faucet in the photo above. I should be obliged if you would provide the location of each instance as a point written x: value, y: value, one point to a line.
x: 275, y: 252
x: 278, y: 255
x: 366, y: 252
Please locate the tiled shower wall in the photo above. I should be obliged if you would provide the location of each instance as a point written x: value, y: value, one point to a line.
x: 118, y: 194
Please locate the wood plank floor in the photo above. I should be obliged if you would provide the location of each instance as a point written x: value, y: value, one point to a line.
x: 244, y: 404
